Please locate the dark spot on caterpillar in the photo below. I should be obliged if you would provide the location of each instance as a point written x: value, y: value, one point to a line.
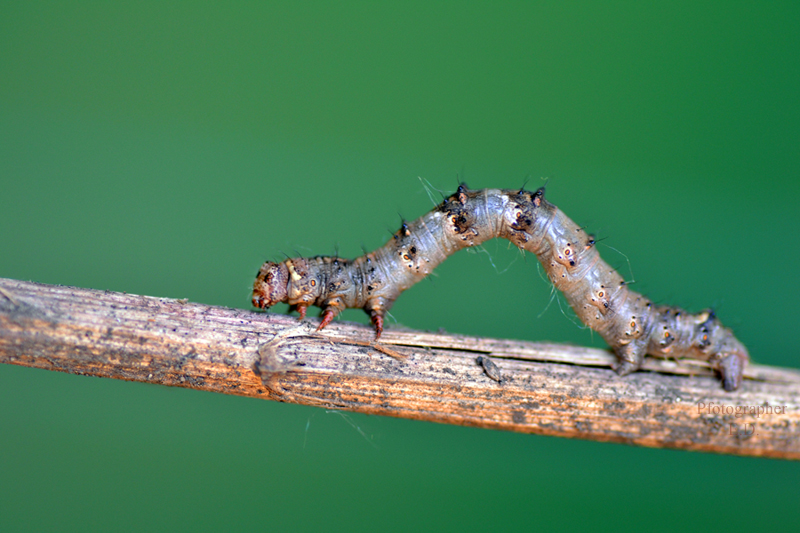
x: 468, y: 218
x: 538, y: 197
x: 459, y: 221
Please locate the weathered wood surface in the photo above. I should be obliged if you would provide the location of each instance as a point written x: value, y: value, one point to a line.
x: 547, y: 389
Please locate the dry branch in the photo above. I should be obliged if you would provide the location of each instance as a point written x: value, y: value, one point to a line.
x: 547, y: 389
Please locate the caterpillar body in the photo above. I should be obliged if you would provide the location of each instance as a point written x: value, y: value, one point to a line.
x: 631, y: 324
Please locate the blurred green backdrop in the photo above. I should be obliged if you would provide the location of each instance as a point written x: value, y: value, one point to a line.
x: 168, y: 148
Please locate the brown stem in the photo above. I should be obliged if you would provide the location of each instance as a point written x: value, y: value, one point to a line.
x: 543, y: 388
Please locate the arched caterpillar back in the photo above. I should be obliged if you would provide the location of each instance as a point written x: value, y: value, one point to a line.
x: 630, y: 324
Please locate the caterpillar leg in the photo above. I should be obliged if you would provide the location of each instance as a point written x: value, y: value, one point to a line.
x: 377, y: 321
x: 376, y: 317
x: 731, y: 369
x: 330, y: 310
x: 376, y: 308
x: 301, y: 309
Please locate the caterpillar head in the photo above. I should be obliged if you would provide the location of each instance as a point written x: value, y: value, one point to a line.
x: 271, y: 285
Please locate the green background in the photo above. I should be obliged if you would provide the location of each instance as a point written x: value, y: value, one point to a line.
x: 169, y: 148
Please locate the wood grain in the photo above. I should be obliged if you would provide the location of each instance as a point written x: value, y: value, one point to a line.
x: 547, y: 389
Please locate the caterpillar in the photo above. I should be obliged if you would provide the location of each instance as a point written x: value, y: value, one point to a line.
x: 630, y: 323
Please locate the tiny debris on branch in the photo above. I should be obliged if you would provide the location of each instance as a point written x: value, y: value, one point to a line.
x: 547, y: 389
x: 490, y: 368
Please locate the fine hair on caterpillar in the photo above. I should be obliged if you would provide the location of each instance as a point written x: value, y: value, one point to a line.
x: 630, y: 323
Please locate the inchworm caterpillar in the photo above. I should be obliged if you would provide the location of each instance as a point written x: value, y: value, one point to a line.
x: 630, y: 324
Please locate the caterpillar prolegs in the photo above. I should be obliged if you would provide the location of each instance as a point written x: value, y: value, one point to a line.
x: 630, y: 324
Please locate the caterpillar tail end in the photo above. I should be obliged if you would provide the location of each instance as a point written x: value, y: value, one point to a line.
x: 730, y: 361
x: 731, y: 369
x: 623, y: 368
x: 629, y: 358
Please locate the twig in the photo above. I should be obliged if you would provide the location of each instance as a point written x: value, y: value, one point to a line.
x: 547, y: 389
